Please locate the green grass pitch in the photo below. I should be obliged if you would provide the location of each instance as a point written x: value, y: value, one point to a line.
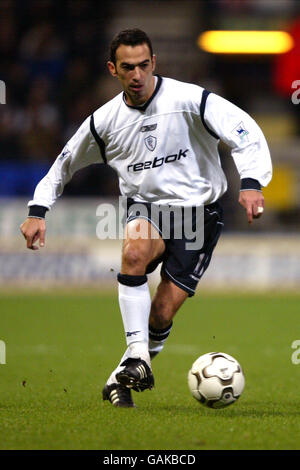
x: 61, y: 347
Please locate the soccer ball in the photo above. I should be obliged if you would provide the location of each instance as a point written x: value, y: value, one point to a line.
x: 216, y: 380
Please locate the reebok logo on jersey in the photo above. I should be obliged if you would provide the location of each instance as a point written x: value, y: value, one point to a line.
x: 150, y: 127
x: 158, y: 161
x: 130, y: 333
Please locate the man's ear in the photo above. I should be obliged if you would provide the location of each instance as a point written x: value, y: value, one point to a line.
x: 153, y: 62
x: 112, y: 69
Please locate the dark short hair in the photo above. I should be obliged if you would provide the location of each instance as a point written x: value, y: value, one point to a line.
x: 129, y: 37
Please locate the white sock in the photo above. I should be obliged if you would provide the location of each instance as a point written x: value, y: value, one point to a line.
x: 135, y: 305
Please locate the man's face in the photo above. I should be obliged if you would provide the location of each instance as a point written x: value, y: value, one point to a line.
x: 134, y: 68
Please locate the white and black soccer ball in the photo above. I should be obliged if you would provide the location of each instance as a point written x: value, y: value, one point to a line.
x: 216, y: 380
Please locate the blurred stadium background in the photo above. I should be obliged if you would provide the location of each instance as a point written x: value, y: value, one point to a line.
x: 53, y: 57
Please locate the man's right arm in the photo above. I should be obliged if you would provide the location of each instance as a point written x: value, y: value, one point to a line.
x: 80, y: 151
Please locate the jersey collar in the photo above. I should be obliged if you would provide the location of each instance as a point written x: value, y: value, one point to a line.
x: 145, y: 105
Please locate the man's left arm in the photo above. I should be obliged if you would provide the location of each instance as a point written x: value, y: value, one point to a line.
x: 249, y: 150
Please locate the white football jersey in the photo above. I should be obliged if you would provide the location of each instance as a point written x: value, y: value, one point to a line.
x: 166, y: 151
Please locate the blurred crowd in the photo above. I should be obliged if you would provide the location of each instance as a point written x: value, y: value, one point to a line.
x: 52, y: 57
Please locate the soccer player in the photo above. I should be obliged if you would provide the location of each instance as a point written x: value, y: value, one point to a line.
x: 161, y: 136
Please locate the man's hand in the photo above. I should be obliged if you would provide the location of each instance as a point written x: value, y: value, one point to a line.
x: 253, y: 202
x: 32, y: 230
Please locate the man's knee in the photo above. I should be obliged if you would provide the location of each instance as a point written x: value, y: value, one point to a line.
x: 135, y: 257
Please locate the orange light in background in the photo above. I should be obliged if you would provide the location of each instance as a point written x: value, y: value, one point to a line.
x: 245, y: 42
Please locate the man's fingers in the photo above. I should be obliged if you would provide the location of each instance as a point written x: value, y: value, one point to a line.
x: 42, y: 238
x: 30, y: 242
x: 253, y: 202
x: 254, y: 212
x: 32, y: 239
x: 258, y: 211
x: 249, y: 214
x: 35, y: 238
x: 33, y: 247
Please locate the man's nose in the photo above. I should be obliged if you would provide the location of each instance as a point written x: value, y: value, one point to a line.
x: 137, y: 73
